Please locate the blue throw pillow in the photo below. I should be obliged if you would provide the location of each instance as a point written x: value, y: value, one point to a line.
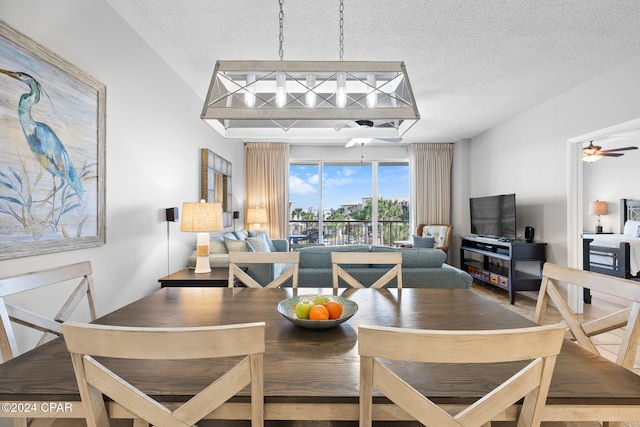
x: 272, y: 247
x: 423, y: 242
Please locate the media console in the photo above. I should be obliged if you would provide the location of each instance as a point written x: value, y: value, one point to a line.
x: 510, y: 265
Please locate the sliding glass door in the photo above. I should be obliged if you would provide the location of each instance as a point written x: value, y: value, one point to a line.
x: 348, y: 203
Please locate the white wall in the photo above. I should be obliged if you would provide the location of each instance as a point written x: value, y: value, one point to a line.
x: 154, y: 136
x: 527, y: 154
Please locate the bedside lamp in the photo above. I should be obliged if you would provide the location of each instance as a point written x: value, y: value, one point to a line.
x: 256, y: 216
x: 598, y: 208
x: 201, y: 217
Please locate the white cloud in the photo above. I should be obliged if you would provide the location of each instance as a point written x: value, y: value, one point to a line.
x: 347, y: 171
x: 298, y: 186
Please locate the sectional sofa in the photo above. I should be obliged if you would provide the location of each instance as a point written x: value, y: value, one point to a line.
x: 421, y: 268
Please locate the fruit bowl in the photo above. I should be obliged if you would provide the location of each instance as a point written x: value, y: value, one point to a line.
x: 287, y: 307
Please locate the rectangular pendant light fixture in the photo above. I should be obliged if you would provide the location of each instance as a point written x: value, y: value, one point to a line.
x: 291, y: 100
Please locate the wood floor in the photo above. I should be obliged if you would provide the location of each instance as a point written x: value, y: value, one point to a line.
x: 607, y: 344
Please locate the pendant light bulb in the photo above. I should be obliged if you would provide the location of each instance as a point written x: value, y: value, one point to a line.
x: 310, y: 96
x: 281, y: 90
x: 372, y: 95
x: 250, y: 94
x: 341, y: 90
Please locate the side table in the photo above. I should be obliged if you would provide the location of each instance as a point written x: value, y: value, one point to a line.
x: 217, y: 277
x: 403, y: 243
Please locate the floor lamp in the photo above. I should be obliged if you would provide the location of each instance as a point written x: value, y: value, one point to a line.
x: 201, y: 218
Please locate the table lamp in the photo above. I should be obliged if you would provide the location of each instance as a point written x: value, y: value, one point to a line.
x: 256, y: 216
x: 201, y: 217
x: 598, y: 208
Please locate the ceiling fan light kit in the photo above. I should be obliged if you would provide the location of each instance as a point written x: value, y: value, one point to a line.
x: 593, y: 153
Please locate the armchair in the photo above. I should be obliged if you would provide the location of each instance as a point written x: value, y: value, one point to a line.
x: 442, y: 234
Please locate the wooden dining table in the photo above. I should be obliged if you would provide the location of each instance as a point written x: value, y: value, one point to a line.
x: 313, y: 374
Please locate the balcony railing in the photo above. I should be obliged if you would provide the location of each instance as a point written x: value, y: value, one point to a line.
x: 344, y: 232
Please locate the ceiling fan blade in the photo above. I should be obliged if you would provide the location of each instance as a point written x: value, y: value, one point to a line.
x: 358, y: 141
x: 619, y: 149
x: 602, y: 153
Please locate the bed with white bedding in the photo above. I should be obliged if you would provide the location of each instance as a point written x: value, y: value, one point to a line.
x: 616, y: 254
x: 603, y: 247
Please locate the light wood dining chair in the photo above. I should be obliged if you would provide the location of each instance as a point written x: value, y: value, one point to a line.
x: 540, y: 345
x: 95, y: 380
x: 393, y: 259
x: 238, y: 259
x: 51, y: 327
x: 583, y: 331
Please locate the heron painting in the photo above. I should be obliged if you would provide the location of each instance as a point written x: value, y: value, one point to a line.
x: 43, y: 141
x: 51, y: 151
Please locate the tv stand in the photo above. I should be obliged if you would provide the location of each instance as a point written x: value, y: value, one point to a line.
x: 501, y: 263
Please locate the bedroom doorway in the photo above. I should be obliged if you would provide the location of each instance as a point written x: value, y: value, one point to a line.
x: 575, y: 197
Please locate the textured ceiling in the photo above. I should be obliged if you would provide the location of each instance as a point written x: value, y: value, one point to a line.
x: 472, y: 63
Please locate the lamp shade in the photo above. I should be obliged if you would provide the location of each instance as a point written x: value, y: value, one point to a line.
x: 257, y: 215
x: 598, y: 208
x: 201, y: 217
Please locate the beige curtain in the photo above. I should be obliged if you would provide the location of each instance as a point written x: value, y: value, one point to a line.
x: 431, y: 183
x: 266, y: 183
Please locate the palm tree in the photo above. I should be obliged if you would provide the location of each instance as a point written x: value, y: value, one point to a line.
x: 297, y: 213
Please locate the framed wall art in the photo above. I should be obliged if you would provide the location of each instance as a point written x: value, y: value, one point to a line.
x: 215, y: 183
x: 52, y: 151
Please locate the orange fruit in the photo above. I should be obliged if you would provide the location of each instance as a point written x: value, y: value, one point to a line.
x: 334, y: 308
x: 318, y: 312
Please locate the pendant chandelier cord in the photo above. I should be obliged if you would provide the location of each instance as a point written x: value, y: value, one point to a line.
x: 341, y: 29
x: 281, y: 38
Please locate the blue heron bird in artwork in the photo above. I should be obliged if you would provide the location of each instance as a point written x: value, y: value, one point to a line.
x: 43, y: 141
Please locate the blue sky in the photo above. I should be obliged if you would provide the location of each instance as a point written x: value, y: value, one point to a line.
x: 344, y: 184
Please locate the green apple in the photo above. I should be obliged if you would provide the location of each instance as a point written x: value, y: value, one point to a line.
x: 320, y: 299
x: 303, y: 307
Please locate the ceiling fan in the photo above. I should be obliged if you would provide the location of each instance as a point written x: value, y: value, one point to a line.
x: 361, y: 141
x: 592, y: 153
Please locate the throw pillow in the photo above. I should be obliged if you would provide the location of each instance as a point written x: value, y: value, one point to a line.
x: 272, y: 247
x: 236, y: 245
x: 258, y: 244
x: 240, y: 234
x: 423, y: 242
x: 631, y: 228
x: 217, y: 246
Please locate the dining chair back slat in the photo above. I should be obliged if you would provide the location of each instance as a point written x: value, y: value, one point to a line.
x: 85, y: 342
x: 51, y: 327
x: 583, y: 331
x: 537, y: 345
x: 238, y: 259
x: 393, y: 259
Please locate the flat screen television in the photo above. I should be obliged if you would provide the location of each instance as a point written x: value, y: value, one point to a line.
x: 494, y: 216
